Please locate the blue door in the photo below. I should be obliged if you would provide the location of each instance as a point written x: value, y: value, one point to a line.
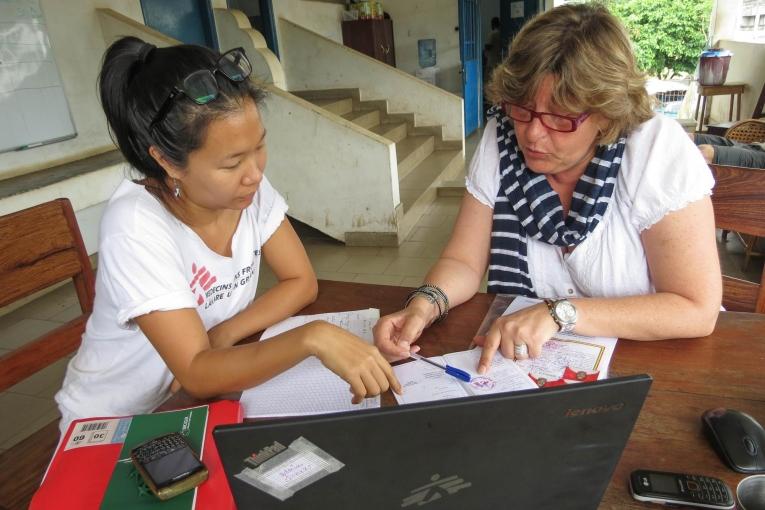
x: 189, y: 21
x: 470, y: 52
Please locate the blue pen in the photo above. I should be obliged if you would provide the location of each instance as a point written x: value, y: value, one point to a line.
x: 456, y: 372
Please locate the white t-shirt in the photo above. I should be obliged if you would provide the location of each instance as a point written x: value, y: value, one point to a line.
x: 662, y: 171
x: 148, y: 260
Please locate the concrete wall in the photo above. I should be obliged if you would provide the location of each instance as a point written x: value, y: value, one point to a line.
x: 427, y: 19
x: 314, y: 154
x: 321, y: 17
x: 314, y: 62
x: 234, y: 31
x: 78, y: 45
x: 746, y: 66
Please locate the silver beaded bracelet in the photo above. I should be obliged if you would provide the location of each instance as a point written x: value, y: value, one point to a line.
x: 434, y: 295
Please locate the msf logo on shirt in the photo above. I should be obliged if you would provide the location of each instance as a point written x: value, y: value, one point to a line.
x: 439, y: 488
x: 202, y: 280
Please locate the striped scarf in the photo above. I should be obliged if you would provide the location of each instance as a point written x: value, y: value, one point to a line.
x: 526, y: 206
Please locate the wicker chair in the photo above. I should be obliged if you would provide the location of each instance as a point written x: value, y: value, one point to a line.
x: 747, y: 131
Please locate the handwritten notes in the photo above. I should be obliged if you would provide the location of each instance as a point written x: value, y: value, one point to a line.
x: 309, y: 387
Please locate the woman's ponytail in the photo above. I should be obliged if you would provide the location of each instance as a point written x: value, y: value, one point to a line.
x: 125, y: 110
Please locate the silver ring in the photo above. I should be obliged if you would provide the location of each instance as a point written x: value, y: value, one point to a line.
x: 521, y: 351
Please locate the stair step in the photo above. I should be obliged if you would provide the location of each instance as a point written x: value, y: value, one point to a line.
x: 364, y: 118
x: 411, y: 151
x: 393, y: 131
x: 419, y: 189
x: 310, y: 95
x: 455, y: 188
x: 339, y: 106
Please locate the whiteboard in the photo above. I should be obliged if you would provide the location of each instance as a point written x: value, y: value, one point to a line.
x: 33, y: 107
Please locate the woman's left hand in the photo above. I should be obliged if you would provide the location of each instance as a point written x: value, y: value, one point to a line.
x: 532, y: 326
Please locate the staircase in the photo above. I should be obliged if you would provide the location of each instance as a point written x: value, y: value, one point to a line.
x: 424, y: 159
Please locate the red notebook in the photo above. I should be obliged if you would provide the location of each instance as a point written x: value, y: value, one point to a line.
x: 81, y: 469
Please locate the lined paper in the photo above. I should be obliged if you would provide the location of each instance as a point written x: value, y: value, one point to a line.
x: 309, y: 387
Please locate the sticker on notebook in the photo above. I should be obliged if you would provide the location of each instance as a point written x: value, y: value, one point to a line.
x: 570, y: 375
x: 281, y: 472
x: 544, y: 382
x: 98, y: 432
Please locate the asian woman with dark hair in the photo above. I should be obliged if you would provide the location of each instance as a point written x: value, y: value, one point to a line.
x: 181, y: 246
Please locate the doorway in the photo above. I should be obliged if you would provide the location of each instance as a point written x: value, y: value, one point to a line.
x: 189, y: 21
x: 470, y: 53
x: 261, y: 16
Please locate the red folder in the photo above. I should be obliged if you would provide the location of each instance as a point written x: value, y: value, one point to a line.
x: 76, y: 479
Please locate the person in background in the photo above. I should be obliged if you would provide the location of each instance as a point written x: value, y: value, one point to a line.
x: 492, y: 56
x: 721, y: 151
x: 493, y: 47
x: 181, y: 247
x: 577, y: 194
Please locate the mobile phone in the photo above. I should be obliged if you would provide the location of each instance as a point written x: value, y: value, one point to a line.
x: 680, y: 489
x: 168, y: 465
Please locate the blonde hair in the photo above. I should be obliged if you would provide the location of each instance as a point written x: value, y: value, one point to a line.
x: 588, y: 53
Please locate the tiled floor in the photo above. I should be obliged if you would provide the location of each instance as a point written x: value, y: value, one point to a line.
x: 30, y: 403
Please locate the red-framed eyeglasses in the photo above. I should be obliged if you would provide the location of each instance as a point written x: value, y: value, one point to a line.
x: 561, y: 123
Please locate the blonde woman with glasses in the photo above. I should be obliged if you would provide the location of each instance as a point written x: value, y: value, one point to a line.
x: 579, y: 195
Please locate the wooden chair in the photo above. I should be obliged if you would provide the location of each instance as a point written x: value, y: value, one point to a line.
x: 739, y: 201
x: 39, y: 247
x: 747, y: 131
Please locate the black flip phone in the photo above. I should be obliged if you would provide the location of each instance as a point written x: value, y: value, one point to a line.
x: 680, y: 489
x: 168, y: 465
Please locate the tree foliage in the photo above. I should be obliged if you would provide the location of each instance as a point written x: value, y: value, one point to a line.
x: 668, y: 35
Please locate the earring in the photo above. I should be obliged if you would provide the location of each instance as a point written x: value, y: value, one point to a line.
x: 176, y: 189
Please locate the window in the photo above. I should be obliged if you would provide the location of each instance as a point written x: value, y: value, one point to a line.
x: 747, y: 22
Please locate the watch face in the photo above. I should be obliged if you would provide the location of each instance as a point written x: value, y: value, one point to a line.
x: 565, y: 311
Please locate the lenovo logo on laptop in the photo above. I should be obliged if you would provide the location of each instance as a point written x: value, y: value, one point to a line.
x: 439, y: 488
x: 605, y: 408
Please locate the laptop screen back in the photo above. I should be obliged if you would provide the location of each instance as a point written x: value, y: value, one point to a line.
x: 553, y: 448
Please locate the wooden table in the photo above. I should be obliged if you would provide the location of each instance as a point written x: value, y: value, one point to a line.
x: 690, y: 376
x: 732, y: 89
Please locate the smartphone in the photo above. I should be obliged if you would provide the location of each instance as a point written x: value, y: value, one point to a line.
x: 680, y: 489
x: 168, y: 465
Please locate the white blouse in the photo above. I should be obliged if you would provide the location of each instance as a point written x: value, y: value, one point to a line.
x: 662, y: 171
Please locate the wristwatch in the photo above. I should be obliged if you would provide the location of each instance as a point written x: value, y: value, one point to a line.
x: 563, y: 313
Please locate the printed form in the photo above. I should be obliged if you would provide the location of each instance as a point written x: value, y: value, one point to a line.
x: 423, y: 382
x: 588, y: 354
x: 565, y: 359
x: 309, y: 387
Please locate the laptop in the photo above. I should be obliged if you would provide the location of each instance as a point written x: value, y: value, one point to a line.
x: 553, y: 448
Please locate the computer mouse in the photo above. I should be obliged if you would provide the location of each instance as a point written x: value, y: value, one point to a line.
x: 738, y: 438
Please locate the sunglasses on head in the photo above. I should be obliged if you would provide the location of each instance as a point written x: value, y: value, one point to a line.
x: 202, y: 87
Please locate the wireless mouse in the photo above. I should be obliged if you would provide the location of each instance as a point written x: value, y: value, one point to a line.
x: 738, y: 439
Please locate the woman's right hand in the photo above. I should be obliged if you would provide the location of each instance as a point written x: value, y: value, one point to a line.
x: 395, y: 333
x: 360, y: 364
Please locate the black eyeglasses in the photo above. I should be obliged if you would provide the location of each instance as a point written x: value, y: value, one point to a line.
x: 202, y: 87
x: 562, y: 123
